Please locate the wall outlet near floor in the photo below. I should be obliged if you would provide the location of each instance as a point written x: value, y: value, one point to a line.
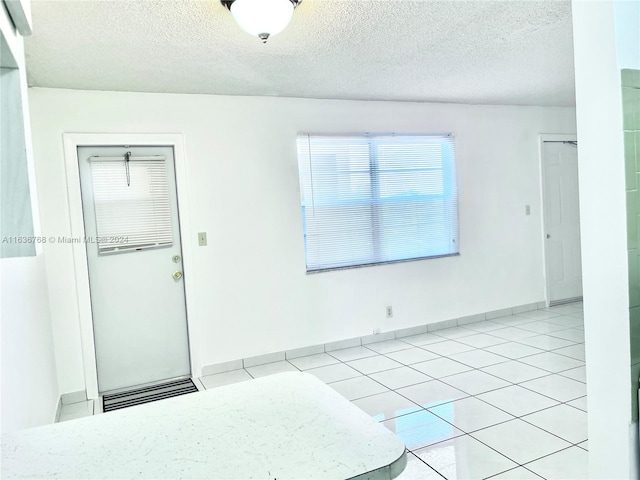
x: 376, y: 331
x: 389, y: 311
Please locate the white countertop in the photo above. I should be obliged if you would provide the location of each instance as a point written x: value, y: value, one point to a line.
x: 285, y: 426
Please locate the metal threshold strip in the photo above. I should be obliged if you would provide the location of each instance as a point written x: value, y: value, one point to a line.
x: 116, y: 401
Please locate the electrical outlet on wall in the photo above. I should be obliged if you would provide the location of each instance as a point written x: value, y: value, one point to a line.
x: 376, y: 331
x: 389, y: 311
x: 202, y: 239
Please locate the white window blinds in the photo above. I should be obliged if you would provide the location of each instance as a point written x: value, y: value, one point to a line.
x: 132, y: 205
x: 373, y: 199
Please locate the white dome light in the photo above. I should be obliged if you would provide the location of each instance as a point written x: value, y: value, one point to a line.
x: 262, y: 18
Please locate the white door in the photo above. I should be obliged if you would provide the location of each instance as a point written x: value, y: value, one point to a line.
x: 562, y: 221
x: 135, y: 265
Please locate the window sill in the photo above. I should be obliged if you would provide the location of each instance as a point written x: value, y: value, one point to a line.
x: 350, y: 267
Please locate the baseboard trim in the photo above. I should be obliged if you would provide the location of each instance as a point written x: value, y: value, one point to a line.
x: 73, y: 397
x: 634, y: 446
x: 56, y: 417
x: 368, y: 339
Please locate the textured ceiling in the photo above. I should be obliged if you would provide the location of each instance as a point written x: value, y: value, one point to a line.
x: 484, y: 51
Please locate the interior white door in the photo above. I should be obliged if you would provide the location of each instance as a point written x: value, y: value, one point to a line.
x: 562, y: 221
x: 135, y: 265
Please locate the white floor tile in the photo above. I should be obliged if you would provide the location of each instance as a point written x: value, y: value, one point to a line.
x: 448, y: 347
x: 388, y: 346
x: 416, y: 469
x: 572, y: 334
x: 515, y: 372
x: 574, y: 351
x: 570, y: 463
x: 421, y: 429
x: 557, y: 387
x: 358, y: 387
x: 538, y: 314
x: 568, y: 320
x: 374, y: 364
x: 566, y: 309
x: 470, y: 414
x: 519, y: 473
x: 520, y: 441
x: 579, y: 374
x: 478, y: 358
x: 313, y: 361
x: 579, y: 315
x: 400, y: 377
x: 566, y: 422
x: 226, y: 378
x: 516, y: 400
x: 422, y: 339
x: 352, y: 353
x: 334, y: 373
x: 546, y: 342
x: 580, y: 403
x: 541, y: 326
x: 487, y: 326
x: 454, y: 332
x: 384, y: 406
x: 464, y: 377
x: 552, y: 362
x: 513, y: 321
x: 441, y: 367
x: 430, y: 394
x: 412, y: 355
x: 513, y: 350
x: 475, y: 382
x: 481, y: 340
x: 271, y: 369
x: 512, y: 333
x: 463, y: 458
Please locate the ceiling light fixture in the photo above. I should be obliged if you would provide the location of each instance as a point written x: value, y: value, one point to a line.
x: 262, y: 18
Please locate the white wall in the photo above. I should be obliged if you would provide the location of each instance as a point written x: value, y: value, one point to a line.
x: 604, y: 240
x: 28, y: 384
x: 253, y: 295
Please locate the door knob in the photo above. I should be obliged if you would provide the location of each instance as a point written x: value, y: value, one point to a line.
x: 176, y: 259
x: 177, y: 275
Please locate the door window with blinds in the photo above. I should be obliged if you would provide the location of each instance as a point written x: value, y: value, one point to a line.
x: 132, y: 205
x: 370, y: 199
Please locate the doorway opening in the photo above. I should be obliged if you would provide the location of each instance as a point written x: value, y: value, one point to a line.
x: 561, y: 219
x: 117, y: 260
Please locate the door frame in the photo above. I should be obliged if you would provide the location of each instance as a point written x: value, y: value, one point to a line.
x: 71, y: 142
x: 547, y: 137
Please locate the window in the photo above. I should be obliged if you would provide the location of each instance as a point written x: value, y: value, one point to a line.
x: 370, y: 199
x: 132, y: 205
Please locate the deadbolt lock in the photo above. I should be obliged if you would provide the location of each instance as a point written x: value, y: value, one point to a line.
x: 177, y: 275
x: 176, y: 259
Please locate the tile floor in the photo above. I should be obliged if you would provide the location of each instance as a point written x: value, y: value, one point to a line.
x: 503, y: 398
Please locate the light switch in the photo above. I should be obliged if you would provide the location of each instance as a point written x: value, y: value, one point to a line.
x: 202, y: 239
